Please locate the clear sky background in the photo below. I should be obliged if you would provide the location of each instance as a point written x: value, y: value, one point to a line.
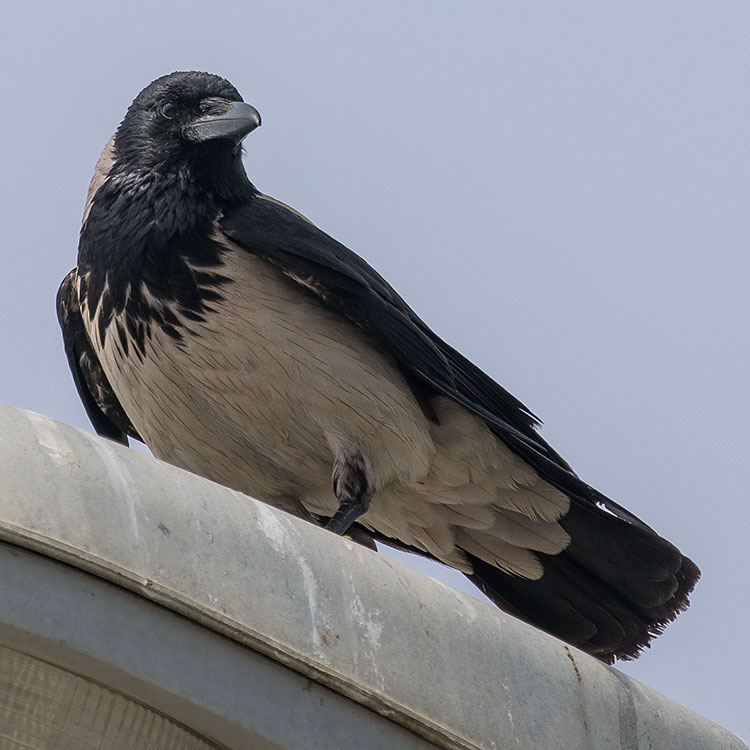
x: 559, y: 189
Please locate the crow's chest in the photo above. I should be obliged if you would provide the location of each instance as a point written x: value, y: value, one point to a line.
x: 265, y: 376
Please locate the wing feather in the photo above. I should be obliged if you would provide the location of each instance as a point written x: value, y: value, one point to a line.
x: 102, y: 405
x: 345, y: 282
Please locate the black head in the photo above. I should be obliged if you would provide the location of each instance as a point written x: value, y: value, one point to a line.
x: 183, y: 119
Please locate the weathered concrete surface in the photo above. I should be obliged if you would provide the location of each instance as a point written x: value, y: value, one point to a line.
x: 455, y: 671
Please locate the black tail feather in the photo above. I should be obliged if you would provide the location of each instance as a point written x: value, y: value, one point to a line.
x: 609, y: 593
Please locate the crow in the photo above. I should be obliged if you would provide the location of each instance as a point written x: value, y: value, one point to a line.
x: 242, y: 343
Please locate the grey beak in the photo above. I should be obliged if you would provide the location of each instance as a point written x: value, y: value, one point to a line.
x: 239, y: 120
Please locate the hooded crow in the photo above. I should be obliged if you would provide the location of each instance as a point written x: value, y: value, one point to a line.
x: 242, y: 343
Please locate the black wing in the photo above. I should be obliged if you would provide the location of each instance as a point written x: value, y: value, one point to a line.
x: 102, y: 405
x: 345, y: 282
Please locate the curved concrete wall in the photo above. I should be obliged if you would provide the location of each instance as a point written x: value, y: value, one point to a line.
x: 453, y: 671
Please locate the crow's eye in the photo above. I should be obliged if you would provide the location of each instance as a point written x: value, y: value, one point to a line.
x: 169, y: 110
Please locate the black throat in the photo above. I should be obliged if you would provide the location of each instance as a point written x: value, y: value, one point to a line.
x: 148, y: 255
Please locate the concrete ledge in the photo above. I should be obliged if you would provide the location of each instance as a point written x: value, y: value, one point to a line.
x: 454, y: 671
x: 226, y: 695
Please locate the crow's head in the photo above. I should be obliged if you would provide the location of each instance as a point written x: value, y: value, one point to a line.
x: 182, y: 120
x: 171, y: 168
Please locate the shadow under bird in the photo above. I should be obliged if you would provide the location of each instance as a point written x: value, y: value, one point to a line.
x: 242, y: 343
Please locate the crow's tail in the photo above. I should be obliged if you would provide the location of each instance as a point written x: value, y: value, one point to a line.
x: 613, y: 589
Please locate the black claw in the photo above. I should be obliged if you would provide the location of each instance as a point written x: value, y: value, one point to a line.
x: 346, y: 515
x: 352, y: 487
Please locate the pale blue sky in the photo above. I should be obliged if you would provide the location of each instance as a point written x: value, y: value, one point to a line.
x: 559, y: 189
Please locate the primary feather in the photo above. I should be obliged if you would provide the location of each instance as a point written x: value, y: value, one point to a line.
x: 241, y: 342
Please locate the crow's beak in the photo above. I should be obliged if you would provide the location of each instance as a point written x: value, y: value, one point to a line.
x: 239, y: 120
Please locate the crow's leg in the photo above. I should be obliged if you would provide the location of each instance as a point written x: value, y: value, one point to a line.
x: 351, y: 483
